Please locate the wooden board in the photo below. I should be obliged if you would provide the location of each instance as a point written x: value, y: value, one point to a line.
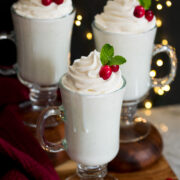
x: 138, y: 155
x: 65, y: 167
x: 158, y: 171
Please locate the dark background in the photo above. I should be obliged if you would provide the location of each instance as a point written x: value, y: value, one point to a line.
x: 169, y: 30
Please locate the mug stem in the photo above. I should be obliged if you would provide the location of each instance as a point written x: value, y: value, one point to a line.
x: 92, y: 172
x: 41, y: 98
x: 127, y: 114
x: 85, y: 172
x: 132, y: 128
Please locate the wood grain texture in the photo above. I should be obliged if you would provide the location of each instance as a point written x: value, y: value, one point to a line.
x: 158, y: 171
x: 138, y: 155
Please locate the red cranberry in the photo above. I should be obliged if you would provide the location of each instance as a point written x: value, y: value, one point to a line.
x: 115, y: 68
x: 169, y: 179
x: 105, y: 72
x: 58, y: 1
x: 149, y: 15
x: 46, y: 2
x: 139, y: 11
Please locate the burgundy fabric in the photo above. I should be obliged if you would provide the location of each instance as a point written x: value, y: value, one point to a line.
x: 21, y: 156
x: 12, y: 91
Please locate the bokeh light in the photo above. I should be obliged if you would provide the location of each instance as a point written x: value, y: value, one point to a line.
x: 153, y: 73
x: 79, y: 17
x: 160, y: 92
x: 148, y: 104
x: 89, y: 36
x: 166, y: 88
x: 78, y: 23
x: 159, y: 6
x: 159, y: 62
x: 168, y: 3
x: 158, y: 22
x: 165, y: 42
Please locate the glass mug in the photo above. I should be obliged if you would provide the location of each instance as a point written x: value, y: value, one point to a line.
x: 138, y: 49
x: 91, y: 130
x: 43, y: 49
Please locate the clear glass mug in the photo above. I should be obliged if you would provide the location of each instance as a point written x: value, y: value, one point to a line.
x: 91, y: 130
x: 138, y: 49
x: 43, y: 56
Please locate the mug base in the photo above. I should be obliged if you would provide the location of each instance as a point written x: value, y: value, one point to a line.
x: 137, y: 130
x: 76, y: 177
x: 138, y: 155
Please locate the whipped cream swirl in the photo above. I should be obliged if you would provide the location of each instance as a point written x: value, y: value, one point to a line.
x: 118, y: 16
x: 35, y: 9
x: 83, y: 77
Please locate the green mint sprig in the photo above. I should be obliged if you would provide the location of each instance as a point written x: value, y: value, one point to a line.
x: 107, y: 56
x: 145, y: 3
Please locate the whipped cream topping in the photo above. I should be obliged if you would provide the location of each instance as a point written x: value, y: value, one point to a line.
x: 118, y: 17
x: 35, y: 9
x: 83, y: 77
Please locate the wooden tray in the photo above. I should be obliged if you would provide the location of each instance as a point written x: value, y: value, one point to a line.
x: 65, y: 167
x: 159, y: 171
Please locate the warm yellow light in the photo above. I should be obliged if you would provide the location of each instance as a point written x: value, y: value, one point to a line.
x: 159, y: 6
x: 166, y: 88
x: 153, y: 73
x: 164, y: 41
x: 89, y: 36
x: 158, y: 22
x: 78, y: 23
x: 148, y: 112
x: 168, y: 3
x: 140, y: 120
x: 160, y: 92
x: 79, y: 17
x: 159, y: 62
x: 148, y: 104
x: 156, y: 89
x: 164, y: 128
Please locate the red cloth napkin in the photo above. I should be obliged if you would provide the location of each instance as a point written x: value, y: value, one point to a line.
x: 21, y: 156
x: 12, y: 91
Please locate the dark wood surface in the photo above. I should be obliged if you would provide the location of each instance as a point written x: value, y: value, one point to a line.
x: 138, y: 155
x: 158, y: 171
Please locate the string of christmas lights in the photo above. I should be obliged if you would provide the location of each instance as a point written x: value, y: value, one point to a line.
x: 159, y: 62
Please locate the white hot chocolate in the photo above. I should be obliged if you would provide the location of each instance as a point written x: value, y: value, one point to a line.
x: 43, y: 36
x: 131, y: 37
x: 118, y: 17
x: 83, y: 77
x: 35, y: 9
x: 92, y: 110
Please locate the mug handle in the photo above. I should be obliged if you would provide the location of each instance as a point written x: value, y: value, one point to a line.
x: 46, y: 145
x: 5, y: 70
x: 170, y: 51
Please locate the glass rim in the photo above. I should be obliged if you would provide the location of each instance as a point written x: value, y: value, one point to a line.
x: 41, y: 19
x: 121, y: 33
x: 89, y: 95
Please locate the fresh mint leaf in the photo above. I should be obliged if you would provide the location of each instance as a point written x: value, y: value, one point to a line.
x: 117, y: 60
x: 145, y: 3
x: 107, y: 56
x: 107, y: 52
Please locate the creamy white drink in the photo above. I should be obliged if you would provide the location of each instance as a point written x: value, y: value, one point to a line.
x: 131, y: 37
x: 43, y: 35
x: 92, y: 111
